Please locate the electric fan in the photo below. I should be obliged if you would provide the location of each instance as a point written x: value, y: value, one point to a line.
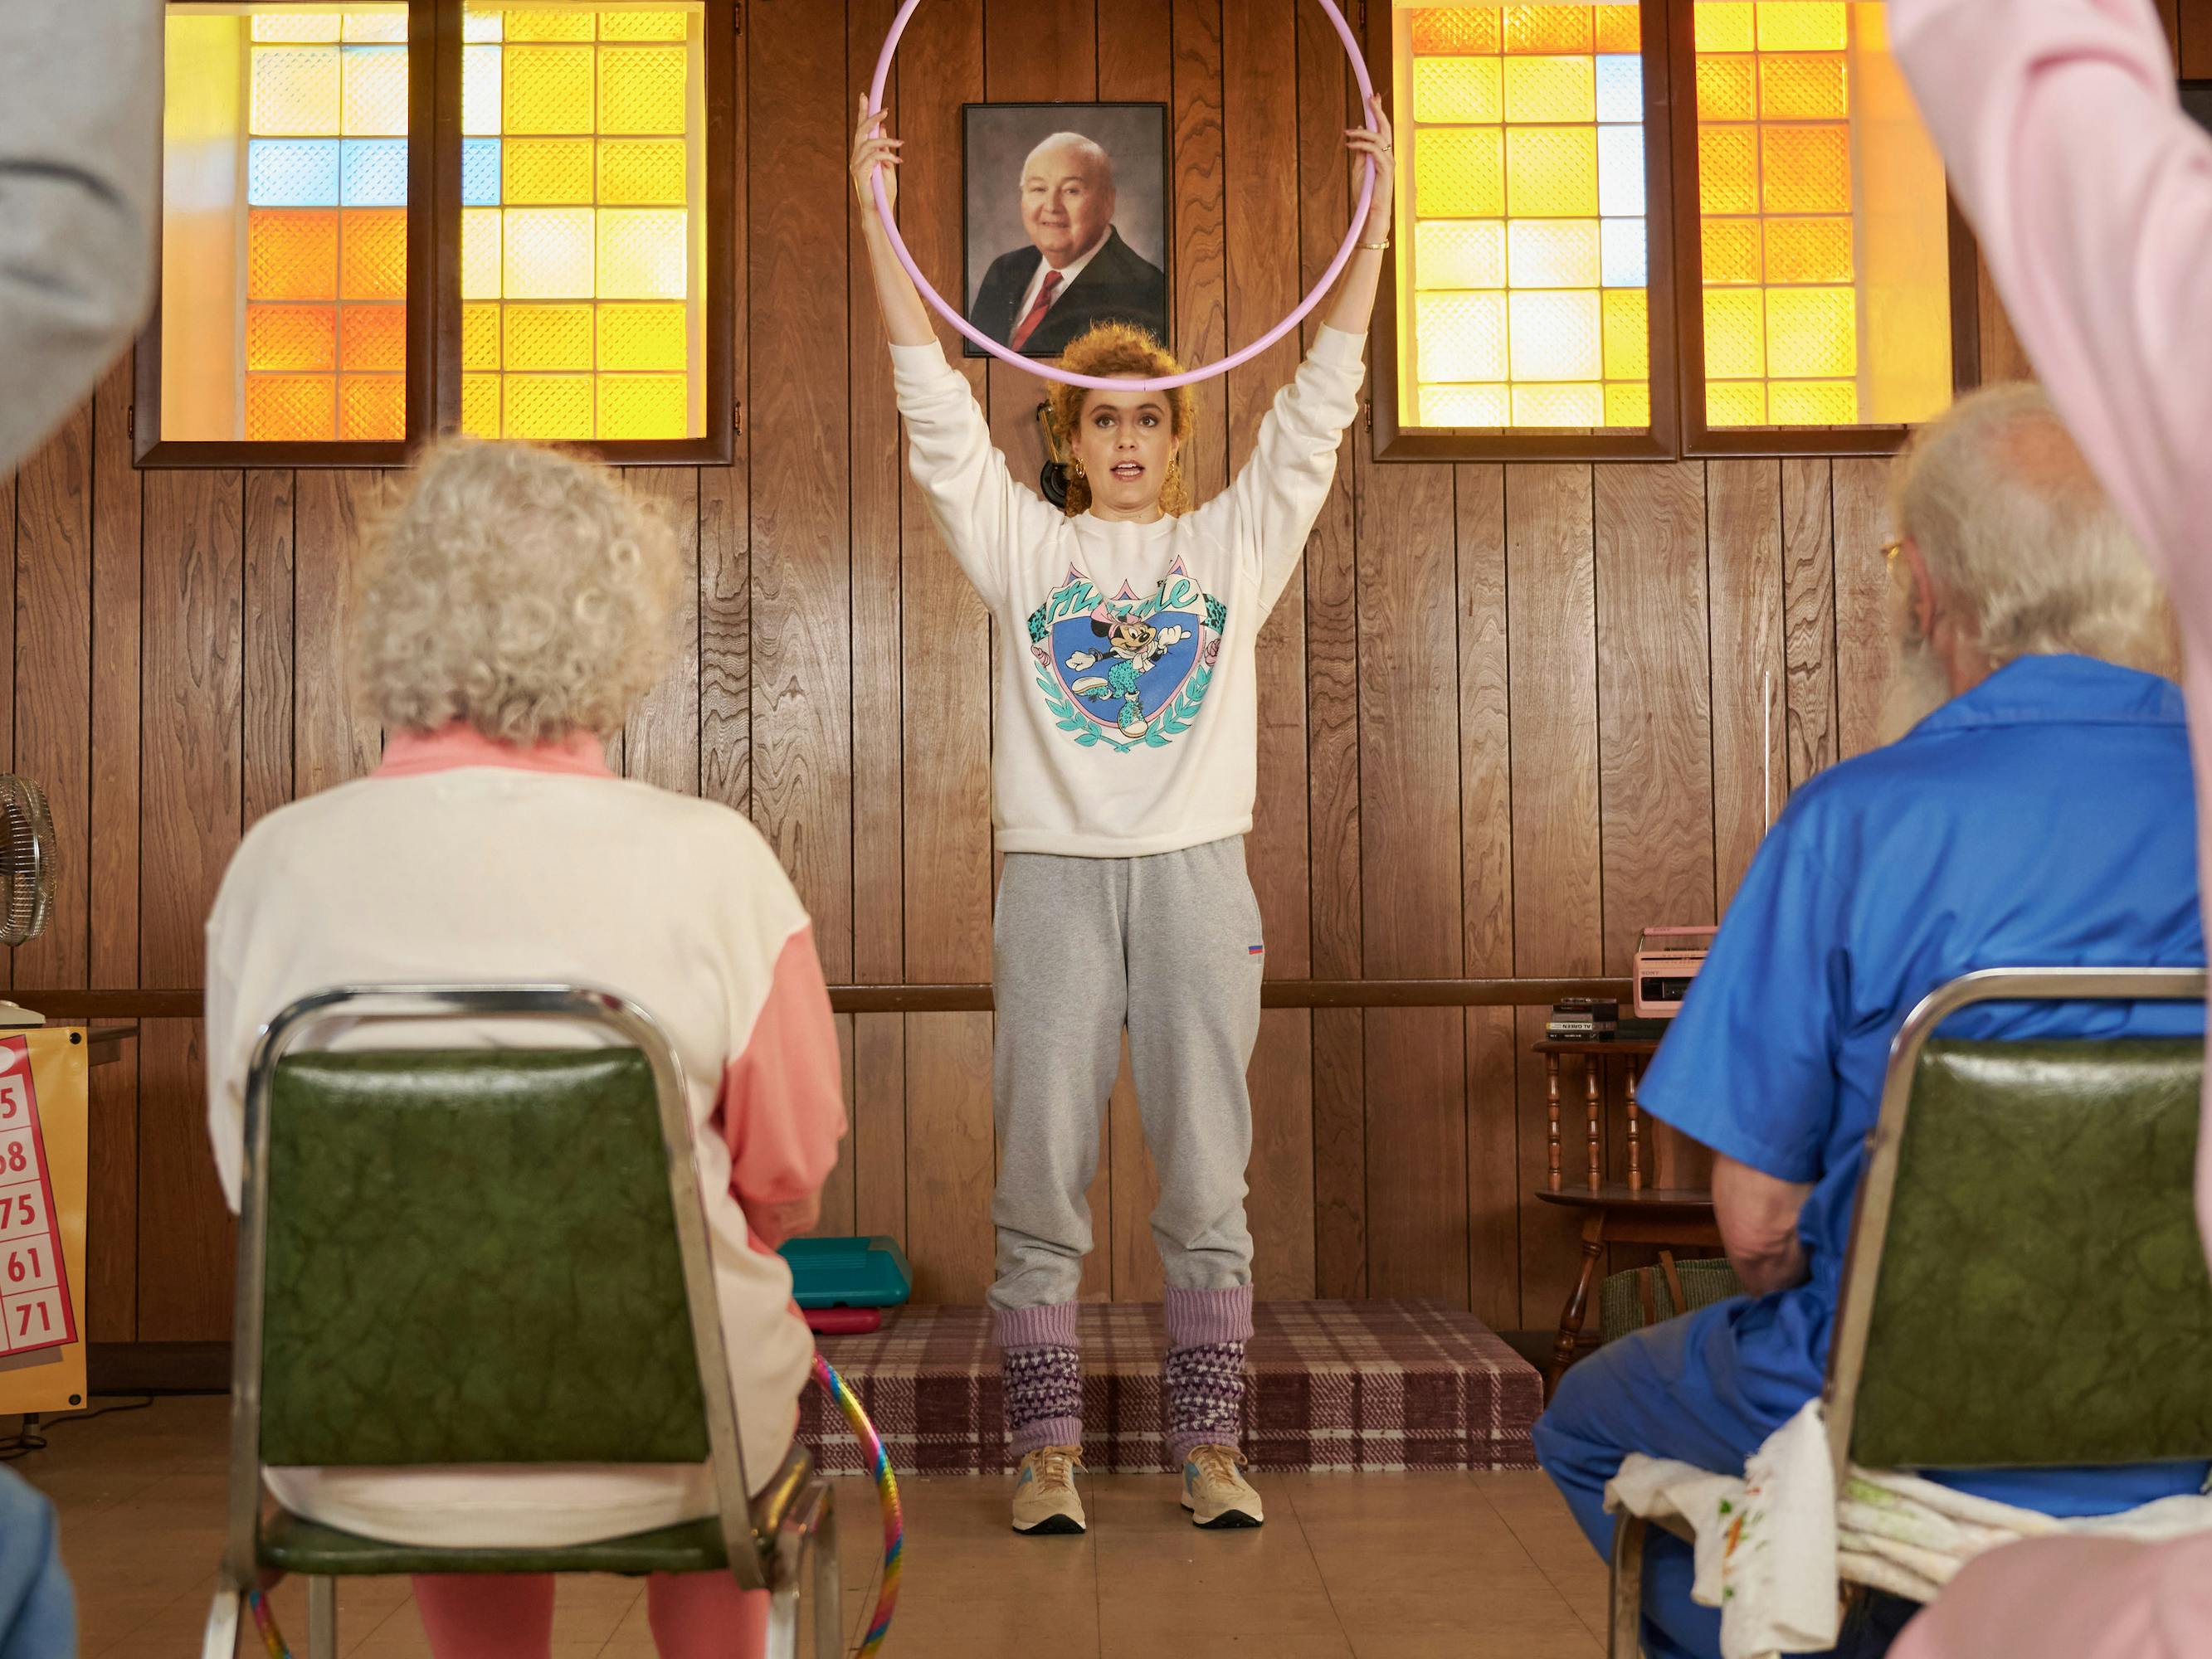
x: 26, y: 874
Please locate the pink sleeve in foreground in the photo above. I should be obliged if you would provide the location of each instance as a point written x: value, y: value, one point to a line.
x: 783, y: 1102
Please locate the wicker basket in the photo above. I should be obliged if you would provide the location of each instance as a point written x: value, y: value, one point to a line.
x: 1628, y: 1301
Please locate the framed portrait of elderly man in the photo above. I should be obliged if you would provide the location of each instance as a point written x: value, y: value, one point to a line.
x: 1067, y: 221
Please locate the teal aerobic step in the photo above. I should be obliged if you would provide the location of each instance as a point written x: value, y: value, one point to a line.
x: 848, y: 1273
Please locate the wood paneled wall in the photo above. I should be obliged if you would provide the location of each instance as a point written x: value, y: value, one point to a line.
x: 1510, y: 714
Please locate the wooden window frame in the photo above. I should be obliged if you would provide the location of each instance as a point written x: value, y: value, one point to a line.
x: 434, y: 278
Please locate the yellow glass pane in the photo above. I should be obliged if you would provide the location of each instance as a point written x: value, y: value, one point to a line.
x: 547, y: 406
x: 1728, y: 87
x: 644, y: 406
x: 1730, y: 250
x: 478, y: 25
x: 295, y: 26
x: 1459, y: 172
x: 376, y: 92
x: 1812, y: 331
x: 1725, y: 25
x: 295, y: 90
x: 480, y: 251
x: 1807, y: 169
x: 644, y: 337
x: 1458, y: 29
x: 1558, y: 405
x: 643, y: 171
x: 291, y: 337
x: 1460, y: 336
x: 1628, y: 405
x: 1459, y: 253
x: 1627, y: 334
x: 480, y: 405
x: 1457, y: 89
x: 1736, y: 402
x: 642, y: 88
x: 1808, y: 251
x: 1549, y: 28
x: 541, y: 171
x: 644, y: 253
x: 373, y: 408
x: 541, y: 338
x: 373, y: 337
x: 1466, y: 406
x: 1551, y: 89
x: 1728, y: 169
x: 1802, y: 26
x: 642, y: 26
x: 390, y: 26
x: 479, y: 336
x: 291, y: 253
x: 291, y: 408
x: 1620, y: 29
x: 1802, y: 88
x: 480, y: 91
x: 1735, y: 333
x: 1812, y: 403
x: 373, y: 253
x: 1551, y: 172
x: 1555, y: 336
x: 549, y: 254
x: 1553, y: 253
x: 549, y: 88
x: 550, y: 23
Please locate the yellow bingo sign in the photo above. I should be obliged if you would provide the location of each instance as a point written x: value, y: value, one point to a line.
x: 42, y: 1195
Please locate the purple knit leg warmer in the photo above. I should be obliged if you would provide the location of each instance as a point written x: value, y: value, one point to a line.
x: 1207, y: 1334
x: 1042, y: 1368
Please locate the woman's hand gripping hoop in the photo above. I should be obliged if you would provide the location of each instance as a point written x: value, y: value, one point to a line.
x: 1367, y: 188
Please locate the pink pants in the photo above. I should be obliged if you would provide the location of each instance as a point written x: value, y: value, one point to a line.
x: 694, y: 1615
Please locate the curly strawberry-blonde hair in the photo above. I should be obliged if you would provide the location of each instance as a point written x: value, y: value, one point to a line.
x: 1106, y: 351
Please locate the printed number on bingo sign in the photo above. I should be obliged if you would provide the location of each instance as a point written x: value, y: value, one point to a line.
x: 34, y: 1319
x: 21, y: 1210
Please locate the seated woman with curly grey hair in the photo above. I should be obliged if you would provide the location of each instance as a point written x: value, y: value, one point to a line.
x: 510, y: 616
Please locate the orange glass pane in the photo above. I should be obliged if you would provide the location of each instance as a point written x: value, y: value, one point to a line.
x: 290, y: 409
x: 546, y: 406
x: 291, y: 337
x: 1549, y: 28
x: 1554, y: 336
x: 1553, y: 253
x: 1459, y: 173
x: 549, y: 88
x: 1812, y: 403
x: 1551, y: 172
x: 540, y: 338
x: 1466, y: 406
x: 644, y: 406
x: 373, y: 337
x: 537, y: 171
x: 1558, y: 405
x: 1735, y: 333
x: 1807, y: 169
x: 372, y: 254
x: 291, y: 253
x: 1460, y: 337
x: 1459, y: 253
x: 1802, y: 26
x: 1728, y: 169
x: 1728, y: 88
x: 1551, y: 89
x: 550, y: 23
x: 1627, y: 334
x: 1725, y: 25
x: 1730, y: 250
x: 1812, y: 331
x: 642, y: 88
x: 479, y: 336
x: 642, y: 26
x: 1457, y: 90
x: 1458, y: 29
x: 480, y: 405
x: 1628, y: 405
x: 1736, y: 402
x: 643, y: 171
x: 644, y: 337
x: 373, y: 408
x: 1802, y: 88
x: 1620, y: 29
x: 1808, y: 251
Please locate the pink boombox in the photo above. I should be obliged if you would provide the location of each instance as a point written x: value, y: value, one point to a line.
x: 1667, y: 960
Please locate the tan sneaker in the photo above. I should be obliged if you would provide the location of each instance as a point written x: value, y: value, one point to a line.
x: 1216, y: 1495
x: 1045, y: 1498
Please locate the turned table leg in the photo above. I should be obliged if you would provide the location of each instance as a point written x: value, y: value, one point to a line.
x: 1570, y: 1316
x: 1635, y: 1137
x: 1552, y: 1104
x: 1590, y: 1093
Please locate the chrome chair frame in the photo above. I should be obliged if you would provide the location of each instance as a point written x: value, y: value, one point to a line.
x: 769, y: 1540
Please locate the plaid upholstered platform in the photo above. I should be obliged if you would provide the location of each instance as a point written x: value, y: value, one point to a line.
x: 1334, y: 1386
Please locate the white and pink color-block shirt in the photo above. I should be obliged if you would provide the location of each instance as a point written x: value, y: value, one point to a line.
x: 464, y: 859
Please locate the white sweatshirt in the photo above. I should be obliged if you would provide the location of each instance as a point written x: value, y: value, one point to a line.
x: 1127, y: 713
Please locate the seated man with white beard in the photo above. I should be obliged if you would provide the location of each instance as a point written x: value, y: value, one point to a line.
x: 2035, y: 807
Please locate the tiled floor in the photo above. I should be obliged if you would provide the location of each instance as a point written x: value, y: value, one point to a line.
x: 1483, y: 1566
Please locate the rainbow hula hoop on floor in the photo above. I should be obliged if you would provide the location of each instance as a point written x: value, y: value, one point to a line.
x: 879, y: 1468
x: 1189, y: 377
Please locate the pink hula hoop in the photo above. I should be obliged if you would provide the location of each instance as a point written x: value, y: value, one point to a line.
x: 1189, y: 377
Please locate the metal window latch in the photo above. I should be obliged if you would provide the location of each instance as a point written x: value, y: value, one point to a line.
x: 738, y: 418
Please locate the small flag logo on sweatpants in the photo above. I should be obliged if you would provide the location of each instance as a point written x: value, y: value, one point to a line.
x: 1257, y: 950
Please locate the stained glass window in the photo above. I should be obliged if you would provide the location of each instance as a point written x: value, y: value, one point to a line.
x: 583, y: 244
x: 1524, y: 216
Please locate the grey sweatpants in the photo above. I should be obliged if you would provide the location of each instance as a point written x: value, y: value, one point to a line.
x: 1080, y: 946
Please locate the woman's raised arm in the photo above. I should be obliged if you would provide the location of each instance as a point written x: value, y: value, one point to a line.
x: 1355, y: 293
x: 905, y: 317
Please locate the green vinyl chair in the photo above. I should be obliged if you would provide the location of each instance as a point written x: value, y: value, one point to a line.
x: 2024, y: 1284
x: 487, y: 1256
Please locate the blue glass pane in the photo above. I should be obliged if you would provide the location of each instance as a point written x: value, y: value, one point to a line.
x: 374, y: 172
x: 292, y: 172
x: 479, y: 173
x: 1622, y: 253
x: 1620, y: 88
x: 1620, y: 170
